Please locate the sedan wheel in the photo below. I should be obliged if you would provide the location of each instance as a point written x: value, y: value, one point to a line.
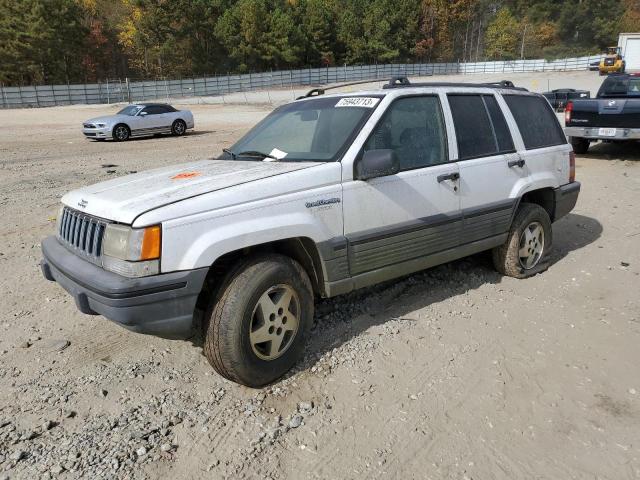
x: 121, y: 133
x: 178, y: 128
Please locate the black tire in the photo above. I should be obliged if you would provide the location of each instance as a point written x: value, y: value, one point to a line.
x: 233, y: 313
x: 580, y: 145
x: 121, y: 132
x: 506, y: 257
x: 178, y: 128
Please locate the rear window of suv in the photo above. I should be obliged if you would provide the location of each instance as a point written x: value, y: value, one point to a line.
x: 536, y: 121
x: 481, y: 129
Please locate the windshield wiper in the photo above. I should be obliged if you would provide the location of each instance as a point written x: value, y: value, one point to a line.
x: 256, y: 154
x: 229, y: 152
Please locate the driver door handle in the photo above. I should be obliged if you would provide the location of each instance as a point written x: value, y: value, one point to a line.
x: 516, y: 163
x: 448, y: 176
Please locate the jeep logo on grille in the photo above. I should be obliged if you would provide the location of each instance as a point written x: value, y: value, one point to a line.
x: 82, y: 203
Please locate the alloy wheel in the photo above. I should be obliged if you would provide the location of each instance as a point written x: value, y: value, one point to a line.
x: 274, y: 322
x: 531, y: 245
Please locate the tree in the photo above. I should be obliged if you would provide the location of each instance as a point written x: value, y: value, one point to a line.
x: 501, y: 40
x: 41, y: 42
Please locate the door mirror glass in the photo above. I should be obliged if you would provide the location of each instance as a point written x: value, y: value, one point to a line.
x: 377, y: 163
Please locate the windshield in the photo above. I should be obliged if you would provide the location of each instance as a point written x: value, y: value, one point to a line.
x: 315, y: 130
x: 619, y: 86
x: 130, y: 110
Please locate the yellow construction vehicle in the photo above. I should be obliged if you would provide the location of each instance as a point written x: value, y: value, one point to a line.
x: 612, y: 62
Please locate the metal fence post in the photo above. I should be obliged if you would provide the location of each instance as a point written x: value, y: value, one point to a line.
x: 4, y: 100
x: 108, y: 93
x: 128, y: 90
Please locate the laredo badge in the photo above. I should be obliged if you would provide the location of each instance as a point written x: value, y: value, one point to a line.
x: 320, y: 203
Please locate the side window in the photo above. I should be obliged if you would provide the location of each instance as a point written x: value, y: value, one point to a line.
x: 500, y: 128
x: 414, y: 128
x: 536, y: 121
x: 153, y: 110
x: 481, y: 129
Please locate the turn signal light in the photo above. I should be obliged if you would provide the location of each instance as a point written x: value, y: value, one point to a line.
x: 150, y: 243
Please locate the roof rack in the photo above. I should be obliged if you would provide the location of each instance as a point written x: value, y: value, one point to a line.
x: 314, y: 92
x: 403, y: 82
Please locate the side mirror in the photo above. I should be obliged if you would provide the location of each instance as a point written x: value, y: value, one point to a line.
x: 143, y: 114
x: 377, y: 163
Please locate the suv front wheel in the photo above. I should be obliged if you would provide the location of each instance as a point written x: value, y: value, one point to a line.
x: 258, y: 321
x: 528, y: 242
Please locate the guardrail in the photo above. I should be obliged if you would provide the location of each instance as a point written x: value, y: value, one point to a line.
x: 137, y: 91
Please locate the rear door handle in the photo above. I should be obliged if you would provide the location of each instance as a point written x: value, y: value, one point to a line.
x: 448, y: 176
x: 516, y: 163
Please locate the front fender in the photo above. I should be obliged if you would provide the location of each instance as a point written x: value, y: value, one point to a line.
x: 206, y: 245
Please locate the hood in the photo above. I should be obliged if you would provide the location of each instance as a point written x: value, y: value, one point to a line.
x: 106, y: 118
x: 125, y: 198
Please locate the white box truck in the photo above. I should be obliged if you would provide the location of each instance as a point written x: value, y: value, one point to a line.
x: 629, y: 44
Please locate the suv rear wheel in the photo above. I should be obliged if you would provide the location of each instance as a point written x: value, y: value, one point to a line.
x: 529, y: 241
x: 258, y: 321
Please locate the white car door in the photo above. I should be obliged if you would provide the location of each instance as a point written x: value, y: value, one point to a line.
x: 491, y: 169
x: 392, y: 223
x: 151, y: 120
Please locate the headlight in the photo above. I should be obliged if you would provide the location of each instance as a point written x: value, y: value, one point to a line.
x: 132, y: 252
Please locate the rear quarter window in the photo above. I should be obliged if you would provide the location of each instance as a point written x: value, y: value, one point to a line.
x: 536, y: 121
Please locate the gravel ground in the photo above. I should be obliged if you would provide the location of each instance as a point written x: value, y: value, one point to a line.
x: 455, y: 372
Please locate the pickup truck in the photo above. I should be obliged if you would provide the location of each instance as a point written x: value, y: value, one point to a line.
x: 612, y: 116
x: 327, y: 194
x: 560, y: 97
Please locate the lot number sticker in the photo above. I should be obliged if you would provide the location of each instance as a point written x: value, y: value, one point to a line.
x: 366, y: 102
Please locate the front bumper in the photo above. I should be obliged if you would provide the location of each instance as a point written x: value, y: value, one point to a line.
x: 104, y: 132
x: 161, y: 305
x: 565, y: 198
x: 592, y: 133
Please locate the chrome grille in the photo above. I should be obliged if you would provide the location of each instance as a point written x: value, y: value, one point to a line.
x: 82, y: 233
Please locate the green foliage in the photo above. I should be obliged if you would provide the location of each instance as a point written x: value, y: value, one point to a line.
x: 57, y: 41
x: 41, y: 41
x: 502, y: 36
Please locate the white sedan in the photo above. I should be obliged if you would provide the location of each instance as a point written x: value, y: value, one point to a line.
x: 137, y: 120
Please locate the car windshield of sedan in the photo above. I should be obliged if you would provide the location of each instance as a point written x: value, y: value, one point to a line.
x: 311, y: 130
x: 131, y: 110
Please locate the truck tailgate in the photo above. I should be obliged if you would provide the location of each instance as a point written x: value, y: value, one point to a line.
x: 606, y: 112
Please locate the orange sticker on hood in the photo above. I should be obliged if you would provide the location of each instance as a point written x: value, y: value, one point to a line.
x: 183, y: 175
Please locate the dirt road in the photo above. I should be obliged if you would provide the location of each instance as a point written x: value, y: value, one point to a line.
x: 455, y: 372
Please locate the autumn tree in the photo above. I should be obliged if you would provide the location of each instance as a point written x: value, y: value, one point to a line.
x: 503, y: 33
